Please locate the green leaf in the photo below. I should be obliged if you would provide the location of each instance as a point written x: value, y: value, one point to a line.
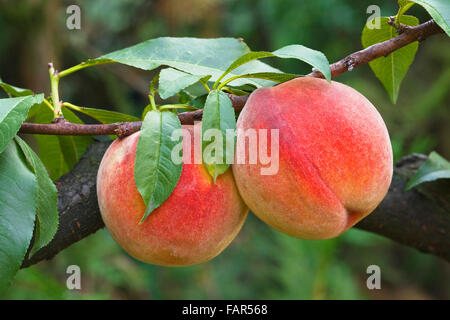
x: 104, y: 116
x: 404, y: 6
x: 155, y: 173
x: 218, y: 116
x: 392, y: 69
x: 172, y: 81
x: 434, y: 168
x: 194, y: 101
x: 315, y: 58
x: 13, y: 111
x: 439, y: 10
x: 198, y: 102
x: 18, y: 190
x: 13, y: 91
x: 47, y: 196
x: 73, y: 147
x: 192, y: 55
x: 51, y: 155
x: 193, y: 91
x: 35, y: 110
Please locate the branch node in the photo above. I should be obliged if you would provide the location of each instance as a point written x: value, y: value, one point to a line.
x: 60, y: 120
x: 122, y: 130
x: 350, y: 63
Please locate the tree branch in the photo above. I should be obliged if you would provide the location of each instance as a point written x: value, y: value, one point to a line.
x: 419, y: 218
x: 382, y: 49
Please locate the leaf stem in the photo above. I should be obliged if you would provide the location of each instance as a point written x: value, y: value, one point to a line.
x: 83, y: 65
x: 54, y: 84
x: 224, y: 83
x: 71, y: 106
x: 151, y: 97
x: 48, y: 104
x: 206, y: 86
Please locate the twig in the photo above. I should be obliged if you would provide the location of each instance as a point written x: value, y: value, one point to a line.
x: 382, y: 49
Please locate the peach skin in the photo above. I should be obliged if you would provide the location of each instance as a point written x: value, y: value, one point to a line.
x: 335, y: 158
x: 196, y: 222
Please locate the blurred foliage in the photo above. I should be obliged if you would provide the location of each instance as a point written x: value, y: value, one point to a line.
x: 261, y: 263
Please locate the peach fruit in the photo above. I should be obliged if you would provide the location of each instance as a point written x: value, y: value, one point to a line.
x: 335, y: 158
x: 196, y: 222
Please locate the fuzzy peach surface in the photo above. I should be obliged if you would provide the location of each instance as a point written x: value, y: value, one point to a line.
x: 335, y: 158
x: 196, y: 222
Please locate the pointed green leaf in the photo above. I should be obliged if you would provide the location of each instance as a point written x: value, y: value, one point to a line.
x: 404, y: 6
x: 15, y: 91
x: 192, y: 55
x: 155, y: 173
x: 434, y: 168
x: 13, y: 111
x: 439, y: 10
x: 392, y: 69
x: 18, y: 190
x: 172, y: 81
x: 104, y: 116
x: 313, y: 57
x: 47, y: 196
x: 218, y: 117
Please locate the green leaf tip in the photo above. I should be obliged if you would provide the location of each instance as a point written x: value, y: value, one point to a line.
x: 434, y: 168
x: 218, y: 118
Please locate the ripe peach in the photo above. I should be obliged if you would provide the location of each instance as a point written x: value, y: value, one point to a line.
x: 335, y: 158
x: 196, y: 222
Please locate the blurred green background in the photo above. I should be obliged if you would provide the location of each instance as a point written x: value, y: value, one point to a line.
x: 261, y: 263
